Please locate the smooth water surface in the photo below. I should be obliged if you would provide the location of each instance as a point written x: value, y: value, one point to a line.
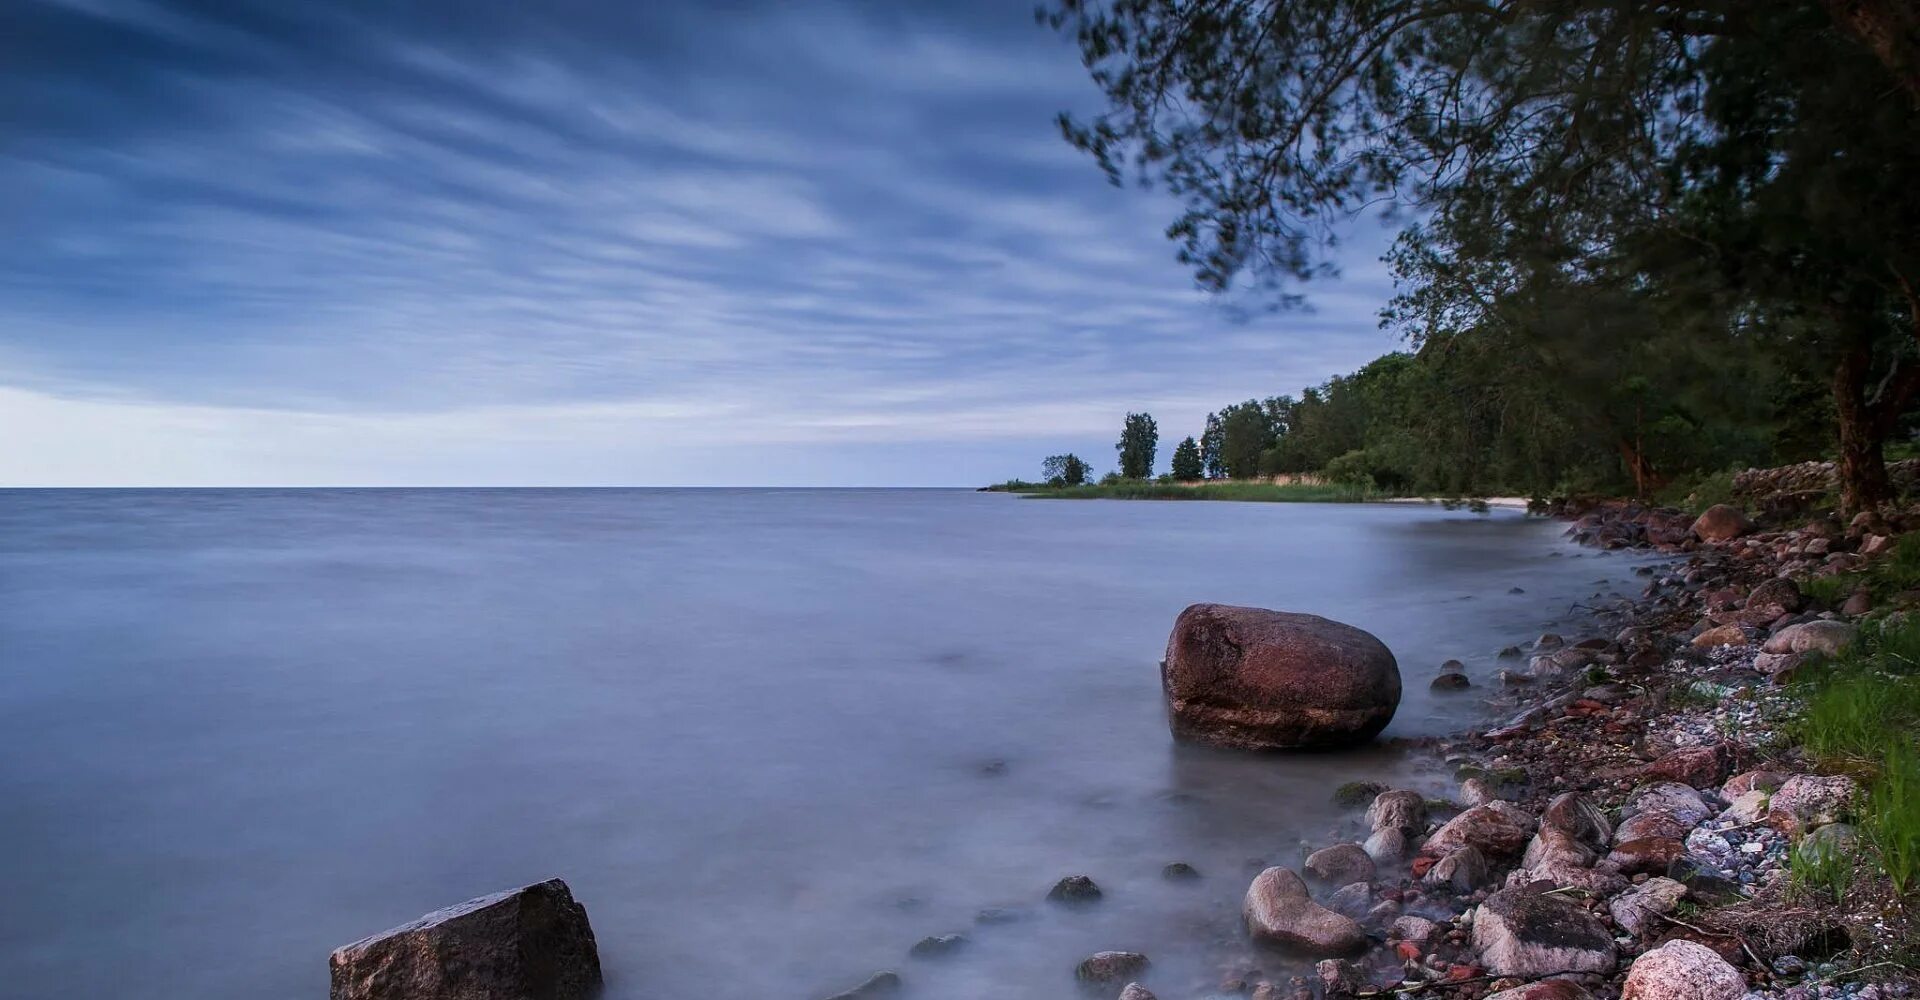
x: 771, y: 737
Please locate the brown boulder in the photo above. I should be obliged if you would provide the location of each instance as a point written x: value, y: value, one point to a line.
x: 1646, y: 854
x: 1721, y: 523
x: 1110, y: 967
x: 1273, y: 680
x: 531, y: 943
x: 1699, y: 767
x: 1497, y: 830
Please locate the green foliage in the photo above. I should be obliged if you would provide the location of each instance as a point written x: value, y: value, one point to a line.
x: 1891, y: 818
x: 1350, y: 469
x: 1821, y: 871
x: 1257, y: 492
x: 1695, y: 491
x: 1187, y: 464
x: 1065, y: 470
x: 1653, y: 239
x: 1833, y: 590
x: 1139, y: 440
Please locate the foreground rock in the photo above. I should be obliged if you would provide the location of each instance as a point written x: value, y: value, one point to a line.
x: 1271, y: 680
x: 1111, y: 967
x: 1279, y: 911
x: 1525, y: 934
x: 531, y: 943
x: 878, y: 985
x: 1682, y: 970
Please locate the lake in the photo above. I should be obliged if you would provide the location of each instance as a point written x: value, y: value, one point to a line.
x: 771, y: 737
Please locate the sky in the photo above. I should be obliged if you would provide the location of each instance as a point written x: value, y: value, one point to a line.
x: 592, y: 242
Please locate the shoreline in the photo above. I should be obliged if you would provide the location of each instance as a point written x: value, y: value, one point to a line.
x: 1679, y: 726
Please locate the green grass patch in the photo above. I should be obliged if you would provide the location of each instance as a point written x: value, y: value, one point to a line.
x: 1862, y: 716
x: 1891, y: 817
x: 1251, y: 492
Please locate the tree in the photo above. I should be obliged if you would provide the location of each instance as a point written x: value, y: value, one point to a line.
x: 1544, y: 144
x: 1246, y: 433
x: 1210, y: 449
x: 1065, y: 470
x: 1139, y: 439
x: 1187, y: 465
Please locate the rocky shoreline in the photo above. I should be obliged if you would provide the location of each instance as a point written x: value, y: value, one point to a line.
x: 1630, y: 829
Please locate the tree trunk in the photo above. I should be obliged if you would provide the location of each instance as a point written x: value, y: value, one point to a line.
x: 1863, y: 465
x: 1888, y: 28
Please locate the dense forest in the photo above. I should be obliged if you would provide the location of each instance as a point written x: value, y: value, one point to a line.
x: 1640, y: 242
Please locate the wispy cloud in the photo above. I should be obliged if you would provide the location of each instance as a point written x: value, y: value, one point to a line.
x: 344, y: 243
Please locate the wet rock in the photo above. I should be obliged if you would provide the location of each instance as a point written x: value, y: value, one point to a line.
x: 879, y: 985
x: 1354, y: 899
x: 1646, y: 854
x: 1279, y: 911
x: 1476, y: 792
x: 1682, y: 970
x: 1341, y: 864
x: 1653, y: 824
x: 1827, y: 638
x: 1497, y: 829
x: 1451, y: 682
x: 1401, y: 809
x: 1338, y: 977
x: 1697, y: 767
x: 1721, y: 523
x: 1271, y: 680
x: 1355, y: 794
x: 1806, y: 801
x: 1418, y: 930
x: 1386, y: 846
x: 1075, y: 890
x: 1179, y: 871
x: 1546, y: 989
x: 936, y: 946
x: 1553, y: 846
x: 1525, y: 934
x: 1135, y: 991
x: 1637, y: 910
x: 1462, y: 871
x: 533, y: 943
x: 1548, y: 640
x: 997, y: 915
x: 1680, y: 801
x: 1573, y: 814
x: 1111, y: 967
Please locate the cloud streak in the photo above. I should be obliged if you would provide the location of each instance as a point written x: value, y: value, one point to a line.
x: 342, y: 243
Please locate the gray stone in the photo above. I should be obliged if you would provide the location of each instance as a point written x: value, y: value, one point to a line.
x: 1683, y: 970
x: 1341, y: 864
x: 531, y: 943
x: 1637, y: 910
x: 1110, y: 967
x: 1528, y: 935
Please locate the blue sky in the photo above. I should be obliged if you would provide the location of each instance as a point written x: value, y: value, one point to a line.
x: 573, y: 242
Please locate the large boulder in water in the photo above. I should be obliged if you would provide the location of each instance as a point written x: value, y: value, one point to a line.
x: 1273, y: 680
x: 531, y: 943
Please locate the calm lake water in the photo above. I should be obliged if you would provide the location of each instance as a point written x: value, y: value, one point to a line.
x: 771, y: 737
